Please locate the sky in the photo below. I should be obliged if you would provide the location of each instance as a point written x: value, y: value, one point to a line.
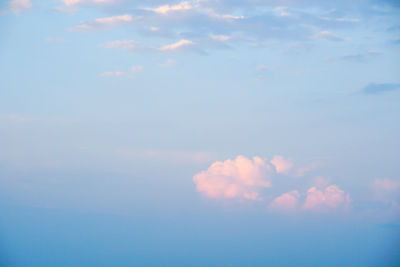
x: 199, y: 133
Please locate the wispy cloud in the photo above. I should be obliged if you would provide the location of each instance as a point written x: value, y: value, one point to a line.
x: 361, y: 57
x: 112, y: 73
x: 103, y: 23
x: 17, y: 6
x: 386, y: 190
x: 79, y: 2
x: 330, y: 36
x: 168, y: 63
x: 379, y: 88
x: 221, y: 38
x: 130, y: 73
x: 177, y: 46
x: 137, y: 68
x: 121, y: 44
x: 164, y: 9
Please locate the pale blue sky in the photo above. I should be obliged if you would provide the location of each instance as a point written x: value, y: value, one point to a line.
x: 128, y: 131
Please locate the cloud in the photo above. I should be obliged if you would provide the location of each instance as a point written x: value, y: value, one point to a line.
x: 168, y: 63
x: 241, y: 178
x: 332, y: 197
x: 361, y: 57
x: 316, y: 200
x: 379, y: 88
x: 17, y: 6
x: 330, y: 36
x: 79, y: 2
x: 178, y: 45
x: 168, y: 8
x: 112, y: 73
x: 121, y: 44
x: 287, y: 202
x: 282, y: 165
x: 221, y: 38
x: 137, y: 68
x: 287, y: 167
x: 386, y: 190
x: 103, y: 23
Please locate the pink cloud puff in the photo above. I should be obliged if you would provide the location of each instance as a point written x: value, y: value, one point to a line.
x: 287, y: 202
x: 332, y: 197
x: 239, y: 178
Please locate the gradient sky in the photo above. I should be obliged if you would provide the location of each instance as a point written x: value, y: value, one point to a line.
x: 199, y: 133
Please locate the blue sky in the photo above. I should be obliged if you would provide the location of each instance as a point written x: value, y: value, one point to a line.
x: 199, y: 133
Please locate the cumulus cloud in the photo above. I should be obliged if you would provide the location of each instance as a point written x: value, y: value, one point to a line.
x: 316, y: 200
x: 17, y: 6
x: 287, y: 202
x: 103, y: 23
x: 379, y: 88
x: 241, y: 178
x: 332, y: 197
x: 178, y: 45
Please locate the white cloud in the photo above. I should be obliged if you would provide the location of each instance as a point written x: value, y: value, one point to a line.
x: 211, y: 13
x: 78, y: 2
x: 176, y: 46
x: 112, y: 73
x: 330, y: 36
x: 17, y: 6
x: 121, y: 44
x: 102, y: 23
x: 221, y: 38
x: 169, y: 8
x: 240, y: 178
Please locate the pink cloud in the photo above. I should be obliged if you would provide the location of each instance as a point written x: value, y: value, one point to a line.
x: 282, y: 165
x: 287, y: 166
x: 287, y: 202
x: 386, y: 190
x: 239, y: 178
x: 332, y: 197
